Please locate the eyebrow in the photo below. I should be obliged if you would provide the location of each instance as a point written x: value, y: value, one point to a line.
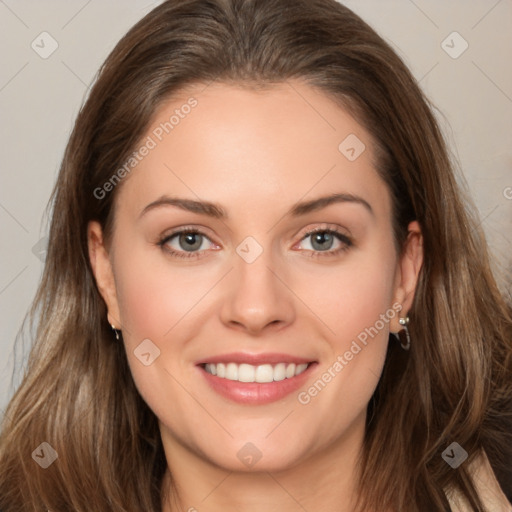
x: 216, y: 211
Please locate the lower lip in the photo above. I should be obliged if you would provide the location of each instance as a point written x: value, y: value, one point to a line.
x: 255, y: 393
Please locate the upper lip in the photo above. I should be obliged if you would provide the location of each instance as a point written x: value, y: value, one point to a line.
x: 254, y: 359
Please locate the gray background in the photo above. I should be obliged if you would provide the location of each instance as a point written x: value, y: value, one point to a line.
x: 39, y: 100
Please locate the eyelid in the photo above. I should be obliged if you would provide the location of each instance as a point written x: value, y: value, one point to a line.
x: 186, y: 229
x: 324, y: 226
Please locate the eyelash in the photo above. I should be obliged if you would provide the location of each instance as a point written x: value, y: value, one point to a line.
x: 344, y: 239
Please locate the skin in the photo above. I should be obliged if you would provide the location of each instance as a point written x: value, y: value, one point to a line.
x: 256, y: 154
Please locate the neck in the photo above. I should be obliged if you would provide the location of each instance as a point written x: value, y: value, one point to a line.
x: 323, y: 481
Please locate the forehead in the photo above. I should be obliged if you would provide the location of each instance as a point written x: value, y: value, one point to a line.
x: 237, y: 146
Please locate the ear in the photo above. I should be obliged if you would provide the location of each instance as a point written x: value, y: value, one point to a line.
x: 407, y: 274
x: 102, y: 270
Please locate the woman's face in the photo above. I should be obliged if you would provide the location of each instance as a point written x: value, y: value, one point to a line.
x: 251, y: 293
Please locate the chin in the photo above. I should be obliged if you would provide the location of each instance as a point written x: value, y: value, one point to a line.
x: 255, y: 457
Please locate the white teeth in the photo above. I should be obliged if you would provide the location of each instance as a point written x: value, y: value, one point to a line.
x: 232, y: 371
x: 280, y: 371
x: 263, y: 373
x: 246, y: 373
x: 300, y: 368
x: 221, y: 370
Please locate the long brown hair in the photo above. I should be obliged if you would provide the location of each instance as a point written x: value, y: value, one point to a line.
x: 77, y: 393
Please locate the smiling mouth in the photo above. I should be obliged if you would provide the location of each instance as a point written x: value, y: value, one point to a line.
x: 262, y: 374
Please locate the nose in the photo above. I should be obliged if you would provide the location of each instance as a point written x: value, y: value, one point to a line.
x: 257, y: 297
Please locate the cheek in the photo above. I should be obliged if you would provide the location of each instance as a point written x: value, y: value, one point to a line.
x: 154, y: 294
x: 156, y: 301
x: 354, y: 301
x: 160, y: 301
x: 356, y: 307
x: 353, y: 295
